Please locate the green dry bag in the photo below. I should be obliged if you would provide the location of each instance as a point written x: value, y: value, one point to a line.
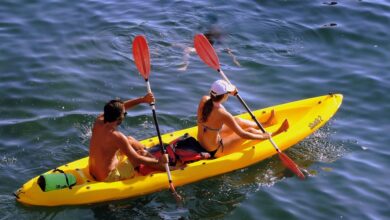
x: 55, y: 181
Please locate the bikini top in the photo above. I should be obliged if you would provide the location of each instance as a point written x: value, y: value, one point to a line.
x: 206, y: 128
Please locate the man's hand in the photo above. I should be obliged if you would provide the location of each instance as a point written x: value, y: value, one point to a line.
x: 144, y: 153
x: 267, y: 135
x: 163, y: 159
x: 149, y: 98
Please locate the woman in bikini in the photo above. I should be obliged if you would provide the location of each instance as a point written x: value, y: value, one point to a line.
x: 218, y: 131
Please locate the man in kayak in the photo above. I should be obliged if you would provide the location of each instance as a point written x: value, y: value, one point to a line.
x: 108, y: 145
x: 218, y: 131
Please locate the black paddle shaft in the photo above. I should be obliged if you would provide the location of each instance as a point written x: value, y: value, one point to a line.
x: 257, y: 122
x: 250, y: 112
x: 163, y: 149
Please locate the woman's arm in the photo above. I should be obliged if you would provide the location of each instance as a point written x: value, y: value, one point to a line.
x: 228, y: 119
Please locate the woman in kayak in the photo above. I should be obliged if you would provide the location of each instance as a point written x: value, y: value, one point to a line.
x: 218, y: 130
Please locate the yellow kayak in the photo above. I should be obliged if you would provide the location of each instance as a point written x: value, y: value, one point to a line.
x: 304, y: 117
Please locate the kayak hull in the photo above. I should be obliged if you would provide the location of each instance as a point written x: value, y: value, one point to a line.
x: 304, y: 116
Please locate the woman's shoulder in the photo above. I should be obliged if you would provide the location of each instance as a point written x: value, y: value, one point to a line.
x: 222, y: 111
x: 205, y: 98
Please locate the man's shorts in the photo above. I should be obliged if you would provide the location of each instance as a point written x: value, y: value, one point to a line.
x: 124, y: 170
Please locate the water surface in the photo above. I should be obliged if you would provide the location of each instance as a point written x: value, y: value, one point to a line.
x: 61, y: 61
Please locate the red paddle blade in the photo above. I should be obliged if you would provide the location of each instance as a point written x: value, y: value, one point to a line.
x: 141, y: 55
x: 206, y: 52
x: 291, y: 165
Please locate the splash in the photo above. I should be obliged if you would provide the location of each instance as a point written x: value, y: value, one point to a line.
x: 146, y: 124
x: 7, y: 161
x: 319, y: 147
x: 85, y: 131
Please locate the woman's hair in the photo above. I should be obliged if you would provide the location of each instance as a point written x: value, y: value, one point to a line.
x: 113, y: 110
x: 208, y: 105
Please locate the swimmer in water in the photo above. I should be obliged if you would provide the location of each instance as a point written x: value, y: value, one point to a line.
x: 214, y: 35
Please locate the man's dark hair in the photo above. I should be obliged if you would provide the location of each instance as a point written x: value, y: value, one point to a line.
x: 113, y: 110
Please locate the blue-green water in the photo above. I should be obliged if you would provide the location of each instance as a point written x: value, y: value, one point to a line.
x: 60, y: 61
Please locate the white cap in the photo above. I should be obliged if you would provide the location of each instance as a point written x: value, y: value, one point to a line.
x: 221, y: 87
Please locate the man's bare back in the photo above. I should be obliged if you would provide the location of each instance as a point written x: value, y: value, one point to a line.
x: 103, y: 149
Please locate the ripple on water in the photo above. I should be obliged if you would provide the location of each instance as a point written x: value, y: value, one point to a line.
x: 280, y: 44
x: 319, y: 147
x: 60, y: 61
x: 6, y: 160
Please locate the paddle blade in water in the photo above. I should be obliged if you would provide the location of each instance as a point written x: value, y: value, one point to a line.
x: 178, y: 198
x: 205, y: 51
x: 291, y: 165
x: 141, y: 55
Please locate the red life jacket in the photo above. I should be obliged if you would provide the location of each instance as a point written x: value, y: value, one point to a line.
x: 184, y: 149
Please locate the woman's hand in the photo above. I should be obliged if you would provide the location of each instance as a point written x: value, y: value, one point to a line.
x: 235, y: 92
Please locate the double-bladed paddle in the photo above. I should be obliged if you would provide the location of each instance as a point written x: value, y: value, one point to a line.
x: 207, y: 53
x: 142, y: 61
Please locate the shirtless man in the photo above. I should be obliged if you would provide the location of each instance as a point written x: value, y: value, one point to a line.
x: 108, y: 145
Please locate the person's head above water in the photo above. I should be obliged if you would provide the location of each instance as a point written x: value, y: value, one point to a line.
x: 213, y: 35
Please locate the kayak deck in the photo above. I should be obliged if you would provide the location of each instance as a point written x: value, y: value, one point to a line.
x: 304, y: 117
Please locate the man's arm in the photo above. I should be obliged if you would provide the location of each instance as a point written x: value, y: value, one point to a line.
x: 127, y: 149
x: 148, y: 98
x: 230, y: 52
